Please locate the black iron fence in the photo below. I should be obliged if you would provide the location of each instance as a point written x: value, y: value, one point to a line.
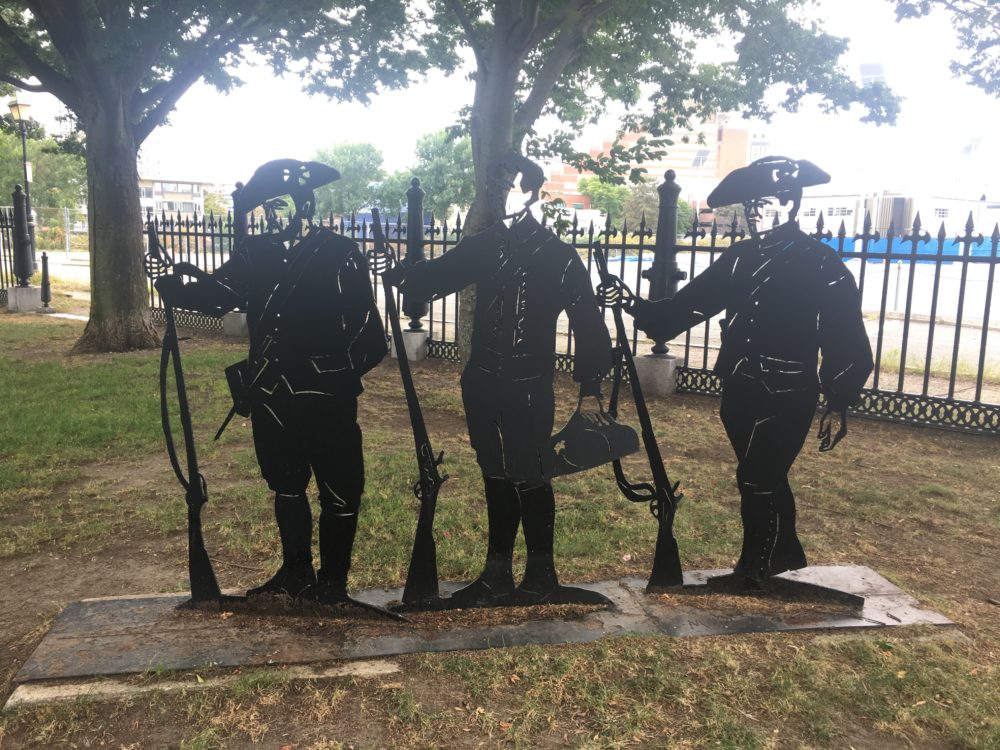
x: 6, y: 252
x: 927, y: 300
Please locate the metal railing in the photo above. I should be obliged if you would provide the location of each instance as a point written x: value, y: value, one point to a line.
x: 6, y: 252
x: 927, y: 300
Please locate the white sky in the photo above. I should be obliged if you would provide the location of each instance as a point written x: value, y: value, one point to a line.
x: 223, y: 139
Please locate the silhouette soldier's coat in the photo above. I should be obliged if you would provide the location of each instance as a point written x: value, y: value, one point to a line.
x: 525, y: 277
x: 787, y: 298
x: 314, y: 331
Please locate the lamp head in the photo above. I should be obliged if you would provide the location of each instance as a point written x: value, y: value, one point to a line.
x: 18, y: 109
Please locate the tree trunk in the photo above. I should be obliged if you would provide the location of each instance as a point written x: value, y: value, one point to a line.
x: 119, y: 305
x: 492, y: 133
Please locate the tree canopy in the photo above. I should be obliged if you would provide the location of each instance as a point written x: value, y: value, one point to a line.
x: 571, y: 59
x: 122, y: 66
x: 360, y: 167
x: 607, y: 198
x: 977, y: 23
x: 445, y: 170
x: 59, y: 180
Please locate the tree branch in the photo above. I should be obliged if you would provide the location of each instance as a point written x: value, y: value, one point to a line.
x: 23, y: 85
x: 51, y: 79
x: 460, y: 12
x: 67, y: 29
x: 167, y: 93
x: 157, y: 29
x: 567, y: 45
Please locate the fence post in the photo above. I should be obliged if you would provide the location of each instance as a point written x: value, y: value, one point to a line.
x: 658, y: 371
x: 414, y: 309
x: 23, y: 266
x: 239, y: 219
x: 46, y: 284
x: 664, y: 274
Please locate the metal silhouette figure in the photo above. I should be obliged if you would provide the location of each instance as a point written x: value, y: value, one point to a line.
x: 661, y: 496
x: 787, y: 298
x: 315, y: 331
x: 421, y: 589
x: 201, y: 576
x: 525, y: 277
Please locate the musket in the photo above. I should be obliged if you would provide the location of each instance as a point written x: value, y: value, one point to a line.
x: 661, y: 495
x: 204, y: 586
x: 421, y: 578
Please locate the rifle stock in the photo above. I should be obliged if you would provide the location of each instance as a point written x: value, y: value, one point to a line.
x: 422, y: 577
x: 661, y: 494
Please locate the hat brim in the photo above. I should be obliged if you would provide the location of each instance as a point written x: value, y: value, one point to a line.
x: 770, y: 177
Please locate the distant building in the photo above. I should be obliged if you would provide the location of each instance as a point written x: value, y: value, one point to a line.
x: 172, y: 196
x: 700, y: 159
x: 892, y: 209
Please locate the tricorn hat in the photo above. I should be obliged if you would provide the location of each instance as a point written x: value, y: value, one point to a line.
x: 284, y: 177
x: 772, y: 176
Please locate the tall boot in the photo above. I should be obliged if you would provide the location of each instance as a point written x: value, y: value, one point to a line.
x: 294, y: 520
x: 495, y: 584
x: 337, y: 529
x: 540, y: 584
x: 759, y: 513
x: 788, y: 552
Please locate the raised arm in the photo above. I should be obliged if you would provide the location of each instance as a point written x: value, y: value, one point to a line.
x: 704, y: 296
x: 213, y: 294
x: 444, y: 275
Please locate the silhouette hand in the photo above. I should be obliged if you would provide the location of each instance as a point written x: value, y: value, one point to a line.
x: 591, y: 408
x: 380, y: 263
x: 156, y: 266
x: 828, y: 439
x: 613, y: 292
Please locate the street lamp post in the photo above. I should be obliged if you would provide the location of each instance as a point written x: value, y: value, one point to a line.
x: 19, y: 111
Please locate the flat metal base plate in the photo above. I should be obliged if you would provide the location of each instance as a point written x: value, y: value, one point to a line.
x: 136, y: 634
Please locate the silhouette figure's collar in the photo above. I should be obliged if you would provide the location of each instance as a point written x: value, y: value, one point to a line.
x: 526, y: 227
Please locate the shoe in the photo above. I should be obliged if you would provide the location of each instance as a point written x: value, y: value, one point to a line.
x: 323, y: 591
x: 737, y: 582
x: 559, y: 595
x: 483, y: 592
x: 290, y: 580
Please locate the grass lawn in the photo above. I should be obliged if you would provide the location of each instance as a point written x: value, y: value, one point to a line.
x: 89, y: 507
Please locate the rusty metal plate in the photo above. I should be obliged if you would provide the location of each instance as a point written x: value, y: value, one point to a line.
x: 136, y: 634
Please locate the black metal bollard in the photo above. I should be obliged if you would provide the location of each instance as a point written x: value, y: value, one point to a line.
x: 23, y: 265
x: 664, y: 274
x: 46, y: 285
x: 414, y: 309
x: 239, y: 221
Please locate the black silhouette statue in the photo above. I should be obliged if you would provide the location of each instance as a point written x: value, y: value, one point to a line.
x: 787, y: 298
x: 525, y: 277
x: 314, y: 331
